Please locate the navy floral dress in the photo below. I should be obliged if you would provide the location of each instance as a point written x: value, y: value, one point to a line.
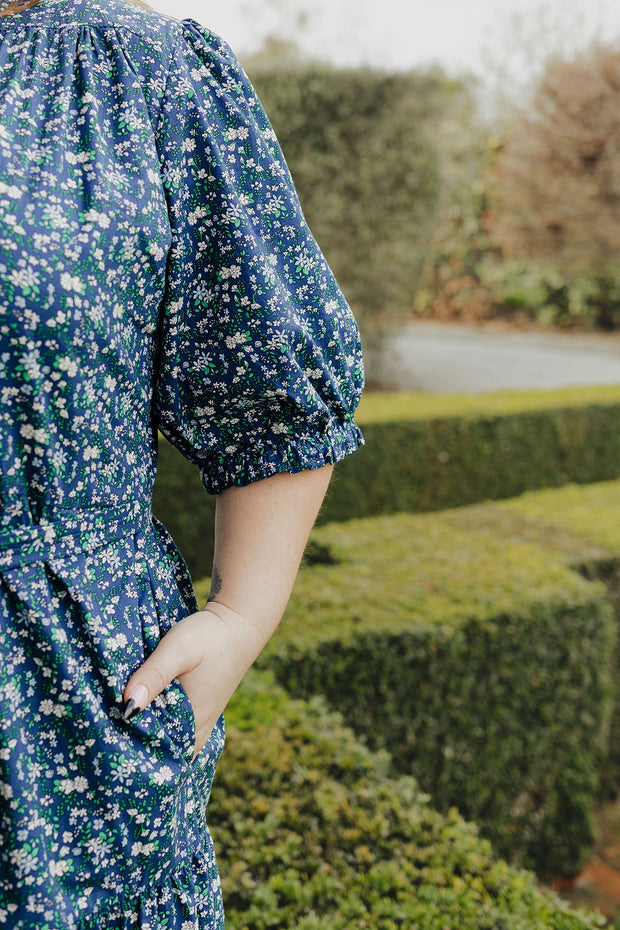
x: 156, y: 273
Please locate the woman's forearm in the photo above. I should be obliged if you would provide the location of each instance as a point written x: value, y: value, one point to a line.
x: 260, y: 534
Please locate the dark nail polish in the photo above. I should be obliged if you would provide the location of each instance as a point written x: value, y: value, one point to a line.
x: 131, y: 710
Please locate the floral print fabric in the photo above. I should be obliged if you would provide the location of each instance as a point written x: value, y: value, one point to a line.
x: 156, y: 273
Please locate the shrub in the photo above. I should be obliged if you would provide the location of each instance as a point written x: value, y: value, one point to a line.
x: 552, y: 296
x: 494, y: 446
x: 579, y: 525
x: 313, y: 834
x: 469, y: 278
x: 360, y: 146
x: 482, y: 666
x: 588, y: 515
x: 427, y: 452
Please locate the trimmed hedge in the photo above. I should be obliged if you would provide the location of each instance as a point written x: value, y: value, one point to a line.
x: 313, y: 834
x: 482, y: 666
x: 387, y: 407
x: 580, y: 524
x: 591, y: 515
x: 361, y: 146
x: 428, y: 452
x: 495, y: 447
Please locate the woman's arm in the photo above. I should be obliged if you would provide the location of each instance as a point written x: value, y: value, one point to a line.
x: 260, y: 534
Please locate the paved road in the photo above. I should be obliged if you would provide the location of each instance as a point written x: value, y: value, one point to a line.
x: 440, y: 357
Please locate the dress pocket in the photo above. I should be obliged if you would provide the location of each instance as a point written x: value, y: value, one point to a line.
x: 180, y: 724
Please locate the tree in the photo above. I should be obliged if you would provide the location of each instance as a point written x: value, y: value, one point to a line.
x: 557, y: 194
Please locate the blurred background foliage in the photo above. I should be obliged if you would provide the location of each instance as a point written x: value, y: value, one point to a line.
x: 360, y: 145
x: 430, y: 203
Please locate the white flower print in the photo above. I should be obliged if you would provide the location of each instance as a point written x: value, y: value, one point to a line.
x: 71, y: 282
x: 24, y: 277
x: 28, y: 431
x: 68, y: 365
x: 279, y: 428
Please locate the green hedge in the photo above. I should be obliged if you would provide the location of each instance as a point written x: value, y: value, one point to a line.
x: 387, y: 407
x: 312, y: 834
x: 580, y: 524
x: 491, y: 447
x: 589, y: 514
x: 427, y: 452
x: 483, y: 666
x: 361, y: 146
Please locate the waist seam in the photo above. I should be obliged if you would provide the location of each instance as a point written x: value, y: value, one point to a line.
x: 70, y: 533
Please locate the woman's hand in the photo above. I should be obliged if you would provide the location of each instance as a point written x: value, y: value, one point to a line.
x: 260, y: 533
x: 209, y: 652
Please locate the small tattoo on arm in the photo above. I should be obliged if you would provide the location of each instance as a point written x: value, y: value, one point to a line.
x: 216, y: 584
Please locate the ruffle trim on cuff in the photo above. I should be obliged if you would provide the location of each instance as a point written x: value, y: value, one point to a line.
x: 187, y: 896
x: 245, y: 467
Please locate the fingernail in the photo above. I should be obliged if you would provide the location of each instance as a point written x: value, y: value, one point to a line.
x: 136, y: 703
x: 130, y: 710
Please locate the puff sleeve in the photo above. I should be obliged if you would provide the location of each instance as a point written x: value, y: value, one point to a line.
x: 260, y: 367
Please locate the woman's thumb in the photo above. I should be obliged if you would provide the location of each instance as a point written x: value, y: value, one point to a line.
x: 167, y: 661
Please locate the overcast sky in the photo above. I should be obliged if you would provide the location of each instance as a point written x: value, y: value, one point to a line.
x: 459, y: 34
